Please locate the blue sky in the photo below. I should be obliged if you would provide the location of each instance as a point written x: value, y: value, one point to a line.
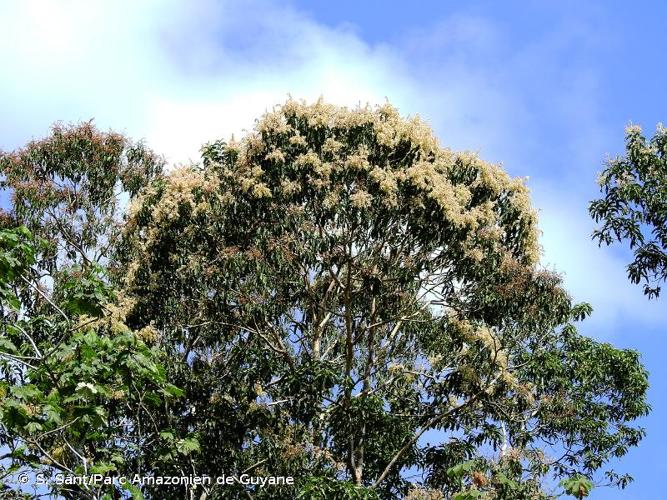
x: 546, y: 88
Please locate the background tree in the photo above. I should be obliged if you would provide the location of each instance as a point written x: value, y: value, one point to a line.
x: 344, y: 300
x: 633, y: 208
x: 77, y: 385
x: 68, y: 190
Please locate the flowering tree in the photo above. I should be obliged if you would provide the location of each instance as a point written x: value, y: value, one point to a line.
x: 634, y: 206
x: 346, y: 301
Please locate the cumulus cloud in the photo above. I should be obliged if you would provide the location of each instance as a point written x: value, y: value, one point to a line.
x: 176, y: 73
x: 179, y: 73
x: 592, y: 274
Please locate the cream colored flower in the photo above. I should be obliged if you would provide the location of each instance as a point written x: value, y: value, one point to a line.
x: 361, y: 199
x: 261, y: 190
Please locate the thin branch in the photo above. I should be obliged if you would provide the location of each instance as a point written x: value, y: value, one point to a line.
x: 43, y: 295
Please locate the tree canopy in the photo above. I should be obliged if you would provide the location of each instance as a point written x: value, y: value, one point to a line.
x: 633, y: 208
x: 335, y: 297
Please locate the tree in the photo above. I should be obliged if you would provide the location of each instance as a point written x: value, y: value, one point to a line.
x: 67, y: 189
x: 633, y: 208
x: 343, y: 300
x: 77, y: 385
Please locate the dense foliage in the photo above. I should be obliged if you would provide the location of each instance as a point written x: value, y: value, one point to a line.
x: 335, y: 298
x: 78, y: 386
x: 633, y: 208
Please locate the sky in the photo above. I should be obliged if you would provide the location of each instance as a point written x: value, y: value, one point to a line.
x: 544, y: 88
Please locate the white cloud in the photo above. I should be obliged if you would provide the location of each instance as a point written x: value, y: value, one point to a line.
x: 536, y: 107
x: 592, y: 274
x: 176, y: 73
x: 180, y: 73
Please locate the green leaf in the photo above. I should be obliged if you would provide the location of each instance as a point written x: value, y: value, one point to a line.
x: 577, y: 486
x: 133, y: 490
x: 168, y: 435
x: 172, y: 390
x: 506, y: 482
x: 26, y: 392
x: 188, y: 445
x: 33, y: 427
x: 471, y: 494
x: 102, y: 468
x: 7, y: 345
x: 460, y: 470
